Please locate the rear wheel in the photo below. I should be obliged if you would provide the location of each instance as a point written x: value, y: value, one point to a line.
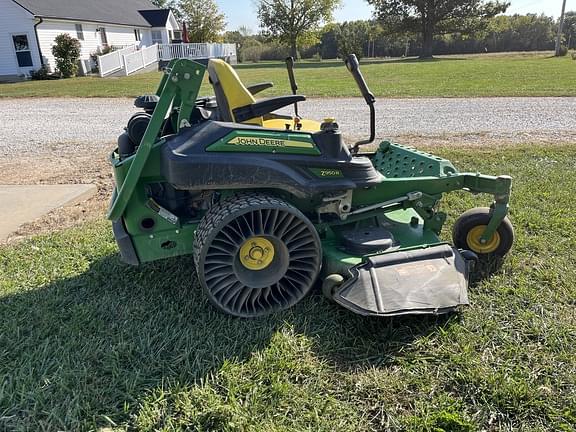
x: 471, y: 225
x: 256, y: 254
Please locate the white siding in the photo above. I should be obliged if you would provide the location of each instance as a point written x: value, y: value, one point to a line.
x: 116, y: 35
x: 171, y: 26
x: 120, y: 35
x: 15, y: 20
x: 48, y: 30
x: 170, y: 30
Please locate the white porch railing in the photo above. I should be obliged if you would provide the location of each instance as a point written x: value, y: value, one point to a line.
x: 114, y: 61
x: 140, y: 59
x: 131, y: 59
x: 197, y: 51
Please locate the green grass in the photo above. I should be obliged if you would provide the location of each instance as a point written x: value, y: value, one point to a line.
x: 498, y: 75
x: 88, y: 343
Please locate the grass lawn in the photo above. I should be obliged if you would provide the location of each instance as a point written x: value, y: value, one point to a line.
x: 87, y: 343
x: 533, y: 74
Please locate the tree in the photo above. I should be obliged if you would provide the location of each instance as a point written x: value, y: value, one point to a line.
x: 291, y: 21
x: 66, y: 51
x: 529, y: 32
x: 435, y: 17
x: 204, y: 20
x: 352, y: 37
x: 168, y: 4
x: 248, y: 48
x: 570, y: 29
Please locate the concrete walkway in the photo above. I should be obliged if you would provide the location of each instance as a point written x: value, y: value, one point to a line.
x: 25, y: 203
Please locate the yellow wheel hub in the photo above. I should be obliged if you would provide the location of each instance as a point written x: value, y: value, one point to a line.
x: 256, y: 253
x: 473, y: 240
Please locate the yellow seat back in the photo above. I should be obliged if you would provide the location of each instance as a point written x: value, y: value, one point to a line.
x: 230, y: 92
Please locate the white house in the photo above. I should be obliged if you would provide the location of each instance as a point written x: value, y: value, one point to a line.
x: 28, y: 29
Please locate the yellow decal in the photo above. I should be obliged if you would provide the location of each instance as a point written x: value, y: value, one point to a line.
x: 269, y: 142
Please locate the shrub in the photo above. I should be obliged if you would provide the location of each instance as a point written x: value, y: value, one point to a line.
x: 66, y: 52
x: 275, y: 51
x: 574, y: 55
x: 251, y: 51
x: 310, y: 52
x: 252, y: 54
x: 40, y: 74
x: 563, y: 51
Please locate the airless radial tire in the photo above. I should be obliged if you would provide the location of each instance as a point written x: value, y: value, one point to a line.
x: 256, y: 254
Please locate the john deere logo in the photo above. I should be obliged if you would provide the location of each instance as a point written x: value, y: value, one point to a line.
x: 269, y: 142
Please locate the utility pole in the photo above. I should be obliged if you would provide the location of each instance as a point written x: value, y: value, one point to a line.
x: 559, y: 36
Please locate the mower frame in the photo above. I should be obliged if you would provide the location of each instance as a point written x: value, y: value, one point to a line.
x: 418, y: 185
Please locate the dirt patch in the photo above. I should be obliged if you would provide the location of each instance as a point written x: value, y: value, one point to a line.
x: 61, y: 167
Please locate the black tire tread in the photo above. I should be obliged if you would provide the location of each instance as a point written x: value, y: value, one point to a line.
x: 219, y: 215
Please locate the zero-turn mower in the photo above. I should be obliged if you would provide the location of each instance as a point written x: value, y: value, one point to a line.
x: 268, y: 204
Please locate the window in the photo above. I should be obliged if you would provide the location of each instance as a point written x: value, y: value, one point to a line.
x: 156, y: 37
x: 170, y: 35
x: 137, y: 35
x: 103, y: 37
x: 22, y: 48
x: 177, y: 35
x: 79, y: 32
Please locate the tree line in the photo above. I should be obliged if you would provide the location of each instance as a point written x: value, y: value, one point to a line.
x: 371, y: 38
x: 303, y: 28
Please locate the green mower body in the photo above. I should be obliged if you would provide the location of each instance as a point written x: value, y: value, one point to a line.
x: 266, y: 213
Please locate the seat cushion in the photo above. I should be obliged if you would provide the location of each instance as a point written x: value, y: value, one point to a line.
x: 230, y: 92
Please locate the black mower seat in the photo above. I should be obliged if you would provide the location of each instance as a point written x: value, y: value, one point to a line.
x: 234, y: 99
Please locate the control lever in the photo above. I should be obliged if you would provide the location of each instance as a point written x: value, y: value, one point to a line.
x: 293, y: 85
x: 354, y: 67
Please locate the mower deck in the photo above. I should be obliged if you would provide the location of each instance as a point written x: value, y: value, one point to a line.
x: 422, y: 281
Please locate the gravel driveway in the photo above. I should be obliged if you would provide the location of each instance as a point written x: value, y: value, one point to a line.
x: 38, y: 125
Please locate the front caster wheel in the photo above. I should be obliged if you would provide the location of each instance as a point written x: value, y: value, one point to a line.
x: 256, y: 254
x: 471, y: 225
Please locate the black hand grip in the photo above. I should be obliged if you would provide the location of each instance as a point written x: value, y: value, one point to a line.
x: 352, y: 63
x: 293, y: 85
x: 290, y: 67
x: 354, y: 67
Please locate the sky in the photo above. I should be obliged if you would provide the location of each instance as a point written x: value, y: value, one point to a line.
x: 243, y: 12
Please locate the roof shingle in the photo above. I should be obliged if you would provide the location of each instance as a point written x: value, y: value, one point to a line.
x: 105, y: 11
